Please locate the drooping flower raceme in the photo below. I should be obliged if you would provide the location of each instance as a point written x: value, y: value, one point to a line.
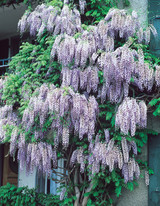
x: 131, y: 114
x: 86, y: 80
x: 108, y: 155
x: 2, y: 81
x: 80, y: 115
x: 118, y: 69
x: 79, y: 112
x: 7, y: 117
x: 83, y: 54
x: 51, y: 19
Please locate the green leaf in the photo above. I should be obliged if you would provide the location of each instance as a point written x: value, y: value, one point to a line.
x: 118, y: 191
x: 109, y: 115
x: 87, y: 194
x: 154, y: 101
x: 95, y: 194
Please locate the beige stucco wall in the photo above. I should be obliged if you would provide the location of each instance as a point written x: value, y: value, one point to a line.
x: 154, y: 122
x: 138, y: 197
x: 141, y: 7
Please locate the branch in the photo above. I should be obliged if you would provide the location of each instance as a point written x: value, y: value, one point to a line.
x: 58, y: 181
x: 85, y: 199
x: 76, y: 203
x: 60, y: 174
x: 154, y: 97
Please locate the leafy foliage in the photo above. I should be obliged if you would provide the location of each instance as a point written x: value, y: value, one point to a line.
x: 11, y: 195
x: 29, y: 69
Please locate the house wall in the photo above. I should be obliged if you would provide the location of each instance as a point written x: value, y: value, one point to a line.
x: 9, y: 18
x: 141, y: 7
x: 139, y: 196
x: 26, y: 180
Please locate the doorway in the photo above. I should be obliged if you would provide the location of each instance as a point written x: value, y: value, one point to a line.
x: 9, y: 169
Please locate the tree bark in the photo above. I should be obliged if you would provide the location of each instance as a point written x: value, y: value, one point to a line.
x: 76, y: 203
x: 85, y: 199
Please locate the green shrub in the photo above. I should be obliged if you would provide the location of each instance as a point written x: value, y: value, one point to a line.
x: 12, y: 195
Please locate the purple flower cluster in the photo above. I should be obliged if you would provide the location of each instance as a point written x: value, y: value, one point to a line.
x: 84, y: 54
x: 123, y: 25
x: 79, y: 112
x: 51, y: 19
x: 143, y: 75
x: 82, y: 5
x: 70, y: 50
x: 2, y: 81
x: 39, y: 155
x: 130, y: 169
x: 14, y: 141
x: 147, y: 178
x: 157, y: 76
x: 130, y: 114
x: 118, y: 69
x: 86, y: 80
x: 107, y: 155
x: 7, y: 117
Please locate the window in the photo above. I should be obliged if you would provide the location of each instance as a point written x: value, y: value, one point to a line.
x: 51, y: 185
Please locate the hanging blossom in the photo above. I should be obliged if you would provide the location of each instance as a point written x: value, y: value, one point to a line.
x: 78, y: 112
x: 107, y: 135
x: 30, y: 155
x: 101, y: 37
x: 107, y: 155
x: 125, y: 26
x: 82, y: 5
x: 7, y: 117
x: 146, y: 178
x: 104, y: 40
x: 143, y: 75
x: 51, y: 19
x: 2, y: 82
x: 131, y: 114
x: 39, y: 155
x: 122, y: 24
x: 64, y: 47
x: 71, y: 51
x: 157, y: 75
x: 14, y: 141
x: 118, y: 69
x: 81, y: 80
x: 129, y: 169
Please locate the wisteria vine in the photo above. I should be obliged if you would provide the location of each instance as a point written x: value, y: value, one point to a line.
x: 73, y: 108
